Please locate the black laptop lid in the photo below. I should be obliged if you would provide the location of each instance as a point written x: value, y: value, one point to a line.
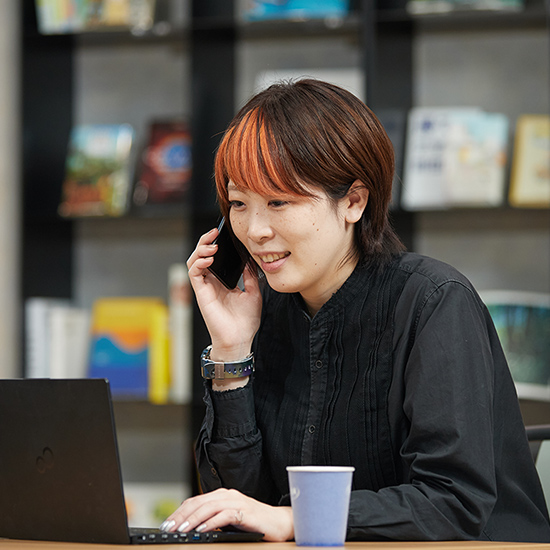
x: 59, y: 472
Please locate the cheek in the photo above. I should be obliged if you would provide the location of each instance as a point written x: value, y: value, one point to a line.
x: 238, y: 226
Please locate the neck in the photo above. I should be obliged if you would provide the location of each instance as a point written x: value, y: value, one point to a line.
x: 317, y: 298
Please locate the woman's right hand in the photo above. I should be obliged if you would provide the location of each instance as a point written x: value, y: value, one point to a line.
x: 232, y: 317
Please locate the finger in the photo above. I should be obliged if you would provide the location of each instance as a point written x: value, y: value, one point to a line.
x: 223, y: 518
x: 202, y: 251
x: 196, y: 511
x: 205, y: 240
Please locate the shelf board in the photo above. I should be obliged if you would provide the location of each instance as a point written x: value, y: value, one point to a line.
x: 158, y: 35
x: 302, y: 28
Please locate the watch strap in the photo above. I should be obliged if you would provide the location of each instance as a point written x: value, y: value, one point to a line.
x: 220, y: 370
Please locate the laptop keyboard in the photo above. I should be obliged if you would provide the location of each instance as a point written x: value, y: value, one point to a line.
x: 156, y: 536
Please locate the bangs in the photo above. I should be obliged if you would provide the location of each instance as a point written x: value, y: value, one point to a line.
x: 254, y: 159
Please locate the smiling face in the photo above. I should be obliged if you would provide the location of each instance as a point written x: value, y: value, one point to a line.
x: 300, y: 147
x: 302, y: 244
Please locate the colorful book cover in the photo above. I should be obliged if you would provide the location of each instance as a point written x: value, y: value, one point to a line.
x: 129, y: 347
x: 97, y: 174
x: 257, y: 10
x: 60, y: 16
x: 475, y: 157
x: 530, y: 178
x: 165, y: 174
x: 522, y: 320
x: 137, y: 15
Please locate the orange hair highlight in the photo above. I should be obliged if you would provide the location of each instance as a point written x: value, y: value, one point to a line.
x: 253, y: 158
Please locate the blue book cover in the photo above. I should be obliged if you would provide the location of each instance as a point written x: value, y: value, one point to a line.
x: 258, y: 10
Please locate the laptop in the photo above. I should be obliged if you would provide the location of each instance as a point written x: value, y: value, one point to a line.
x: 60, y: 476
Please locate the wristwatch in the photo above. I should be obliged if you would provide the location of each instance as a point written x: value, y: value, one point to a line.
x: 219, y: 370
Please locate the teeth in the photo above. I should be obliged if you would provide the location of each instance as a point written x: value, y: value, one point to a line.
x: 272, y: 257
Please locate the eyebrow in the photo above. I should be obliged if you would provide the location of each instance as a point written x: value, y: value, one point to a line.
x: 234, y: 187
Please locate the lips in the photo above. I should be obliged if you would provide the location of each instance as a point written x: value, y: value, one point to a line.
x: 272, y: 261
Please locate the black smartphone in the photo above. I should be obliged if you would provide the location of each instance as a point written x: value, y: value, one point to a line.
x: 228, y: 262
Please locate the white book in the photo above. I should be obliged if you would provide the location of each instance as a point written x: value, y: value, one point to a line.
x: 37, y: 335
x: 69, y: 342
x: 427, y: 136
x: 181, y: 342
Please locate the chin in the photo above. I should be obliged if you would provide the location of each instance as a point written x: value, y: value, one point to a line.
x: 279, y: 285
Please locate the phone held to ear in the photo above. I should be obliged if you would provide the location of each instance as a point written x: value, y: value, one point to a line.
x: 228, y: 263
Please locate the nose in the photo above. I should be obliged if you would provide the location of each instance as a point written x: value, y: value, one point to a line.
x: 259, y: 229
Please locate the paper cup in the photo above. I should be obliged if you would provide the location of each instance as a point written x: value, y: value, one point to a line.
x: 320, y: 503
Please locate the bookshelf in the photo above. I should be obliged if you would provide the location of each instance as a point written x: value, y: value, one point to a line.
x: 405, y: 61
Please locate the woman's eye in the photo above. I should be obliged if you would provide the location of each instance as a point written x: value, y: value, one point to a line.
x: 278, y: 204
x: 235, y: 204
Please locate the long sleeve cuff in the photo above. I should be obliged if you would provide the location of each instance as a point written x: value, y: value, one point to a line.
x: 233, y: 412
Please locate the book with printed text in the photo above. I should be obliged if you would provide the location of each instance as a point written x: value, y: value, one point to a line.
x: 455, y: 157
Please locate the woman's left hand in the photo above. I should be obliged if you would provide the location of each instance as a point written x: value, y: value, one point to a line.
x: 230, y: 507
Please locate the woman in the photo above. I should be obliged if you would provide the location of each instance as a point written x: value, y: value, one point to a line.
x: 365, y: 355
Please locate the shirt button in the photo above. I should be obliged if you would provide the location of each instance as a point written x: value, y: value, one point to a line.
x: 311, y: 429
x: 214, y: 473
x: 318, y: 363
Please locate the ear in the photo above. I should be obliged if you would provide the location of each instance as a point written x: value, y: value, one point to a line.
x: 356, y: 201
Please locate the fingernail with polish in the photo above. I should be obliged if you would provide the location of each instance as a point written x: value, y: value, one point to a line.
x: 170, y: 525
x: 163, y: 525
x: 201, y: 528
x: 183, y: 526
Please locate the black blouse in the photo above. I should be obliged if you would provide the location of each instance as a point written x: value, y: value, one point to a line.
x: 401, y: 375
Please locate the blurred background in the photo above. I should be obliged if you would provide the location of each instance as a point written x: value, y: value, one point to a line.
x: 110, y: 113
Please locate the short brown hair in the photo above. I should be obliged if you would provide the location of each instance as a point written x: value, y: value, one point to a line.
x: 312, y: 133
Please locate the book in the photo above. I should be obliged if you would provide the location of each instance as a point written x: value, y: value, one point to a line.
x: 76, y: 16
x: 97, y: 174
x: 137, y: 15
x: 56, y: 338
x: 522, y: 321
x: 181, y: 328
x: 420, y: 7
x: 60, y: 16
x: 165, y: 168
x: 530, y: 176
x: 38, y: 335
x: 475, y: 159
x: 427, y: 131
x: 454, y: 157
x: 257, y: 10
x: 69, y: 342
x: 129, y: 347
